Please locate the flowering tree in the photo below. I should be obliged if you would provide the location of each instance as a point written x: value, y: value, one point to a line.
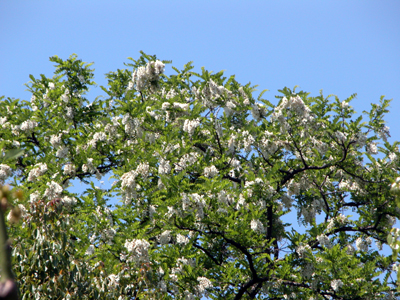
x: 210, y: 181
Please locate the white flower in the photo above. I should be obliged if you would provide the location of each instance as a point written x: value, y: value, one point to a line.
x: 5, y: 171
x: 69, y: 169
x: 113, y: 280
x: 62, y: 152
x: 257, y: 226
x: 90, y: 250
x: 372, y: 148
x: 181, y: 239
x: 34, y: 197
x: 324, y: 241
x: 28, y: 125
x: 54, y: 190
x: 139, y: 249
x: 55, y: 140
x: 144, y: 75
x: 204, y: 283
x: 210, y: 171
x: 164, y: 167
x: 302, y: 250
x: 341, y: 136
x: 336, y: 284
x: 287, y: 201
x: 350, y: 249
x: 190, y: 126
x: 165, y: 237
x: 69, y: 202
x: 165, y: 105
x: 108, y: 235
x: 362, y: 245
x: 183, y: 106
x: 258, y: 111
x: 143, y: 169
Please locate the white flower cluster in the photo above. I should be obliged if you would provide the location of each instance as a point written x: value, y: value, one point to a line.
x: 108, y: 235
x: 164, y: 237
x: 287, y: 201
x: 303, y: 250
x: 324, y: 241
x: 186, y: 161
x: 258, y: 111
x: 210, y: 93
x: 132, y: 125
x: 362, y: 245
x: 338, y: 220
x: 65, y: 96
x: 268, y: 145
x: 143, y: 169
x: 54, y: 190
x: 69, y: 169
x: 372, y: 148
x: 144, y: 75
x: 90, y: 250
x: 55, y: 140
x: 384, y: 133
x: 341, y: 136
x: 98, y: 136
x: 34, y: 197
x: 69, y: 202
x: 183, y: 106
x: 62, y: 152
x: 89, y: 167
x: 3, y: 122
x: 257, y: 226
x: 294, y: 104
x: 113, y: 280
x: 164, y: 167
x: 5, y: 171
x: 229, y: 108
x: 350, y: 249
x: 336, y: 284
x: 195, y: 202
x: 181, y: 239
x: 190, y: 126
x: 139, y: 249
x: 210, y: 171
x: 309, y: 211
x: 248, y: 141
x: 128, y: 185
x: 28, y: 125
x: 204, y: 283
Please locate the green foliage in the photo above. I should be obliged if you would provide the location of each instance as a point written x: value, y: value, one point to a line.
x: 220, y: 194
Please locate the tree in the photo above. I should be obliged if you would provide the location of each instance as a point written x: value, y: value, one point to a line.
x: 209, y: 180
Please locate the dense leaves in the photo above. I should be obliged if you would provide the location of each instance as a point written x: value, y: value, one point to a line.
x: 219, y: 194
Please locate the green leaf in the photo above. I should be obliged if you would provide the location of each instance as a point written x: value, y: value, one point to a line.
x: 13, y: 154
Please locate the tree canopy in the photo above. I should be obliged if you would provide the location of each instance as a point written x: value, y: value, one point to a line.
x: 217, y: 193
